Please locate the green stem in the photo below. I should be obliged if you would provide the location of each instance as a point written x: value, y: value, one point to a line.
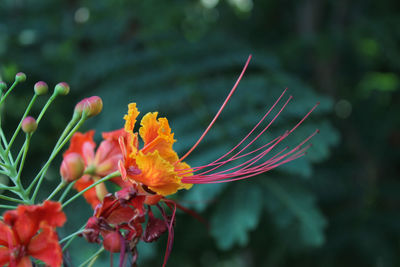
x: 46, y: 106
x: 4, y: 187
x: 20, y: 123
x: 39, y: 177
x: 9, y: 158
x: 20, y: 153
x: 21, y: 166
x: 93, y: 257
x: 9, y: 207
x: 12, y: 199
x: 58, y: 188
x: 71, y: 238
x: 66, y: 191
x: 73, y: 234
x: 5, y: 166
x: 67, y: 129
x: 8, y: 92
x: 108, y: 177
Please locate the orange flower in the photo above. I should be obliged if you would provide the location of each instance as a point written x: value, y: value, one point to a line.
x: 29, y: 231
x: 155, y: 166
x: 97, y: 164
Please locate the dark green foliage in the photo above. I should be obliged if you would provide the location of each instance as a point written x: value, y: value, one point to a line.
x: 181, y: 59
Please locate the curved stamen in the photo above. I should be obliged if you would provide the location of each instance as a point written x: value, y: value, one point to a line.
x: 218, y: 113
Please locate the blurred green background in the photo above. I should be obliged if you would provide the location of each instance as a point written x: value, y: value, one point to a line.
x: 338, y: 206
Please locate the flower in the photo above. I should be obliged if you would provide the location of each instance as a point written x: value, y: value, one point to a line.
x: 117, y: 223
x: 96, y: 164
x: 29, y: 231
x: 156, y: 167
x: 117, y: 220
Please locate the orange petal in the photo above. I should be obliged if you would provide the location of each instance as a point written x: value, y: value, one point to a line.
x: 32, y: 217
x: 45, y: 247
x: 151, y: 128
x: 7, y: 237
x: 158, y: 174
x: 157, y: 135
x: 130, y: 118
x: 186, y: 168
x: 78, y: 140
x: 113, y: 135
x: 90, y: 195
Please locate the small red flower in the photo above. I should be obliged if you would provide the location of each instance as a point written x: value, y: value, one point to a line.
x: 29, y: 231
x: 97, y: 163
x: 118, y: 221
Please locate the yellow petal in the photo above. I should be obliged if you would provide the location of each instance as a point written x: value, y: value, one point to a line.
x: 157, y: 173
x: 149, y: 127
x: 157, y: 136
x: 185, y: 168
x: 130, y: 118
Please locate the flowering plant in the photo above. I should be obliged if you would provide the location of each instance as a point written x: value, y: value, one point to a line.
x: 141, y: 163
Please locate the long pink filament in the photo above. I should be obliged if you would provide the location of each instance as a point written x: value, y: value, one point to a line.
x: 236, y: 156
x: 247, y: 168
x: 218, y: 113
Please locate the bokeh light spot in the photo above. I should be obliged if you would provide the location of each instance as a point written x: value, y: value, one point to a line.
x: 82, y: 15
x: 27, y: 37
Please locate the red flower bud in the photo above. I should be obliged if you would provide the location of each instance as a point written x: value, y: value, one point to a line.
x: 62, y: 88
x: 90, y: 106
x: 72, y: 167
x: 112, y: 242
x: 41, y: 88
x: 29, y: 125
x: 20, y: 77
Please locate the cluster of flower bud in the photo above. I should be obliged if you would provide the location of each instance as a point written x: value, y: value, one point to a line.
x: 73, y: 165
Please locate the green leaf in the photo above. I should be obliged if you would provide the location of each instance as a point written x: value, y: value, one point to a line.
x: 201, y: 196
x: 236, y: 214
x: 294, y: 211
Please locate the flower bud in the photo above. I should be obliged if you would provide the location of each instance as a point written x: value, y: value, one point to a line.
x: 41, y: 88
x: 72, y: 167
x: 3, y: 86
x: 20, y: 77
x: 112, y: 242
x: 29, y: 125
x: 62, y: 88
x: 90, y: 106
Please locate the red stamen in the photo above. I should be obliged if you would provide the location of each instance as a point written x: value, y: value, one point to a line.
x: 250, y: 167
x: 219, y: 111
x: 170, y: 225
x: 249, y: 144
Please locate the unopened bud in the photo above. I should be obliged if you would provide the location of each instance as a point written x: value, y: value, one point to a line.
x: 112, y: 242
x: 62, y: 88
x: 41, y: 88
x: 20, y: 77
x: 3, y: 86
x: 29, y: 125
x: 72, y: 167
x: 90, y: 106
